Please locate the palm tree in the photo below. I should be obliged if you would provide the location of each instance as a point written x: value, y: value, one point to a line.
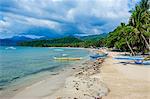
x: 140, y: 18
x: 126, y: 30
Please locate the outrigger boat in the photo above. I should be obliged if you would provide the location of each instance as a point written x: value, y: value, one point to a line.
x: 67, y: 58
x: 129, y: 58
x: 98, y: 56
x: 142, y: 62
x: 137, y: 59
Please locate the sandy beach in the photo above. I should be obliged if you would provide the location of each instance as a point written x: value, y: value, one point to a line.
x: 117, y: 81
x: 126, y: 81
x: 93, y: 80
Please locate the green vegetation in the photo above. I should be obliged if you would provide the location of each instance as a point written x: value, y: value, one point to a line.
x: 94, y: 40
x: 60, y: 42
x: 94, y: 37
x: 135, y: 35
x: 63, y: 42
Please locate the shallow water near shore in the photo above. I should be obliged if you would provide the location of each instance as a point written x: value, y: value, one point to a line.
x: 19, y: 64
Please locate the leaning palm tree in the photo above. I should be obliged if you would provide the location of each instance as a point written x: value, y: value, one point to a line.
x: 140, y: 19
x: 127, y: 32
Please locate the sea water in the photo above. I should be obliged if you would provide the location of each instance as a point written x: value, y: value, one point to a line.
x: 18, y: 63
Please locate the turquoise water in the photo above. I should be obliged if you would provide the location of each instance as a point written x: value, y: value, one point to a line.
x: 20, y: 62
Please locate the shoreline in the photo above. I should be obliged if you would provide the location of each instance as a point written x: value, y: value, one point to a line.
x: 56, y: 82
x: 92, y: 79
x: 52, y: 76
x: 66, y: 71
x: 115, y: 81
x: 86, y: 83
x: 85, y: 74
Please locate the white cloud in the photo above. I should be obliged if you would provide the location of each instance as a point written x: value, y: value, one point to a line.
x: 60, y: 15
x: 4, y: 24
x: 31, y: 36
x: 108, y: 9
x: 30, y: 21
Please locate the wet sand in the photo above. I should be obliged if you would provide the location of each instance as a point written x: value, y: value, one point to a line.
x: 83, y: 80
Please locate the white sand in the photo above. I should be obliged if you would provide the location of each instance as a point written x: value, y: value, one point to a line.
x: 126, y: 81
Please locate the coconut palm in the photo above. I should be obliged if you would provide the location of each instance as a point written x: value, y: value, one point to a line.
x: 127, y: 32
x: 140, y: 19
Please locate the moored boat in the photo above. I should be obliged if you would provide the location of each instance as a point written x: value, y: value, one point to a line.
x: 98, y: 56
x: 67, y: 58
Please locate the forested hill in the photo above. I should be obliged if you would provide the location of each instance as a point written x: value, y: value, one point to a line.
x: 94, y: 37
x: 69, y: 41
x: 66, y: 41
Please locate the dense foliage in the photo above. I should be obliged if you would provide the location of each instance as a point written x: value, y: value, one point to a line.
x: 64, y: 42
x: 94, y: 37
x: 135, y: 35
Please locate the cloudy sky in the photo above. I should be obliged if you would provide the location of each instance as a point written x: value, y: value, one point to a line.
x: 55, y: 18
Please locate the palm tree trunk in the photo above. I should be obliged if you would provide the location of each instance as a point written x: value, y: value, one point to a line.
x: 145, y: 41
x: 130, y: 48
